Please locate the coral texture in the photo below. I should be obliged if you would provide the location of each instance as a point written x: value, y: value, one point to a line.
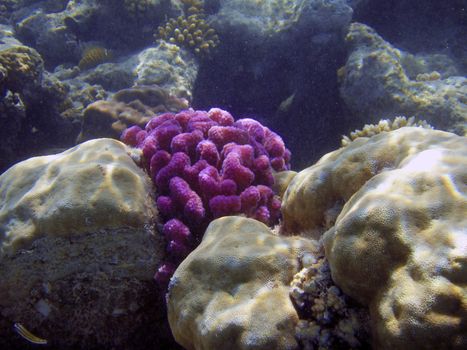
x: 394, y: 207
x: 54, y: 194
x: 232, y: 292
x: 205, y: 165
x: 77, y: 250
x: 23, y: 66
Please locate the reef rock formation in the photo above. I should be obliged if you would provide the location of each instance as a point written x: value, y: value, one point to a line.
x: 394, y: 207
x: 232, y: 292
x: 77, y: 251
x: 398, y: 83
x: 132, y: 106
x: 30, y: 103
x: 259, y: 21
x: 168, y: 66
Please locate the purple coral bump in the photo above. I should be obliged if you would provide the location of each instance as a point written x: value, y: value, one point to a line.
x: 166, y: 206
x: 175, y: 230
x: 225, y: 205
x: 129, y: 135
x: 206, y: 165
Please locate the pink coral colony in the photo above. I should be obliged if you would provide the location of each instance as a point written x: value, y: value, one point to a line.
x: 206, y: 165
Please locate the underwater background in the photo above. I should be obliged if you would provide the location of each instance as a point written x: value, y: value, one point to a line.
x: 284, y: 63
x: 253, y: 93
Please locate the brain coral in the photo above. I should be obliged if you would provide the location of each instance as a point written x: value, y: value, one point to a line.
x: 77, y: 251
x: 232, y: 292
x: 205, y: 165
x: 398, y: 244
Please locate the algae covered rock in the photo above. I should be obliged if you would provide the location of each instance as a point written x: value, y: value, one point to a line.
x: 30, y: 103
x: 395, y: 82
x: 168, y: 66
x: 127, y: 107
x: 395, y: 208
x: 77, y: 251
x: 232, y: 292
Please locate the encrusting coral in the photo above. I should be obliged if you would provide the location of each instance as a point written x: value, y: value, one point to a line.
x: 206, y: 165
x: 190, y: 31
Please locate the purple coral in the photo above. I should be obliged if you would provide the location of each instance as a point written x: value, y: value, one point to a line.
x: 206, y: 165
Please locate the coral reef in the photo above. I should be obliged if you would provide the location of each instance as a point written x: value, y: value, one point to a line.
x: 387, y: 77
x: 205, y: 165
x: 316, y: 195
x: 77, y: 250
x: 392, y: 210
x: 383, y: 125
x: 328, y: 318
x: 232, y: 292
x: 133, y: 106
x: 80, y: 95
x: 87, y: 236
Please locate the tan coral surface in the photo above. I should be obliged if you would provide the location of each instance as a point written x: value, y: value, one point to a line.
x: 77, y: 251
x: 93, y: 185
x: 316, y: 195
x: 232, y: 292
x: 399, y: 243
